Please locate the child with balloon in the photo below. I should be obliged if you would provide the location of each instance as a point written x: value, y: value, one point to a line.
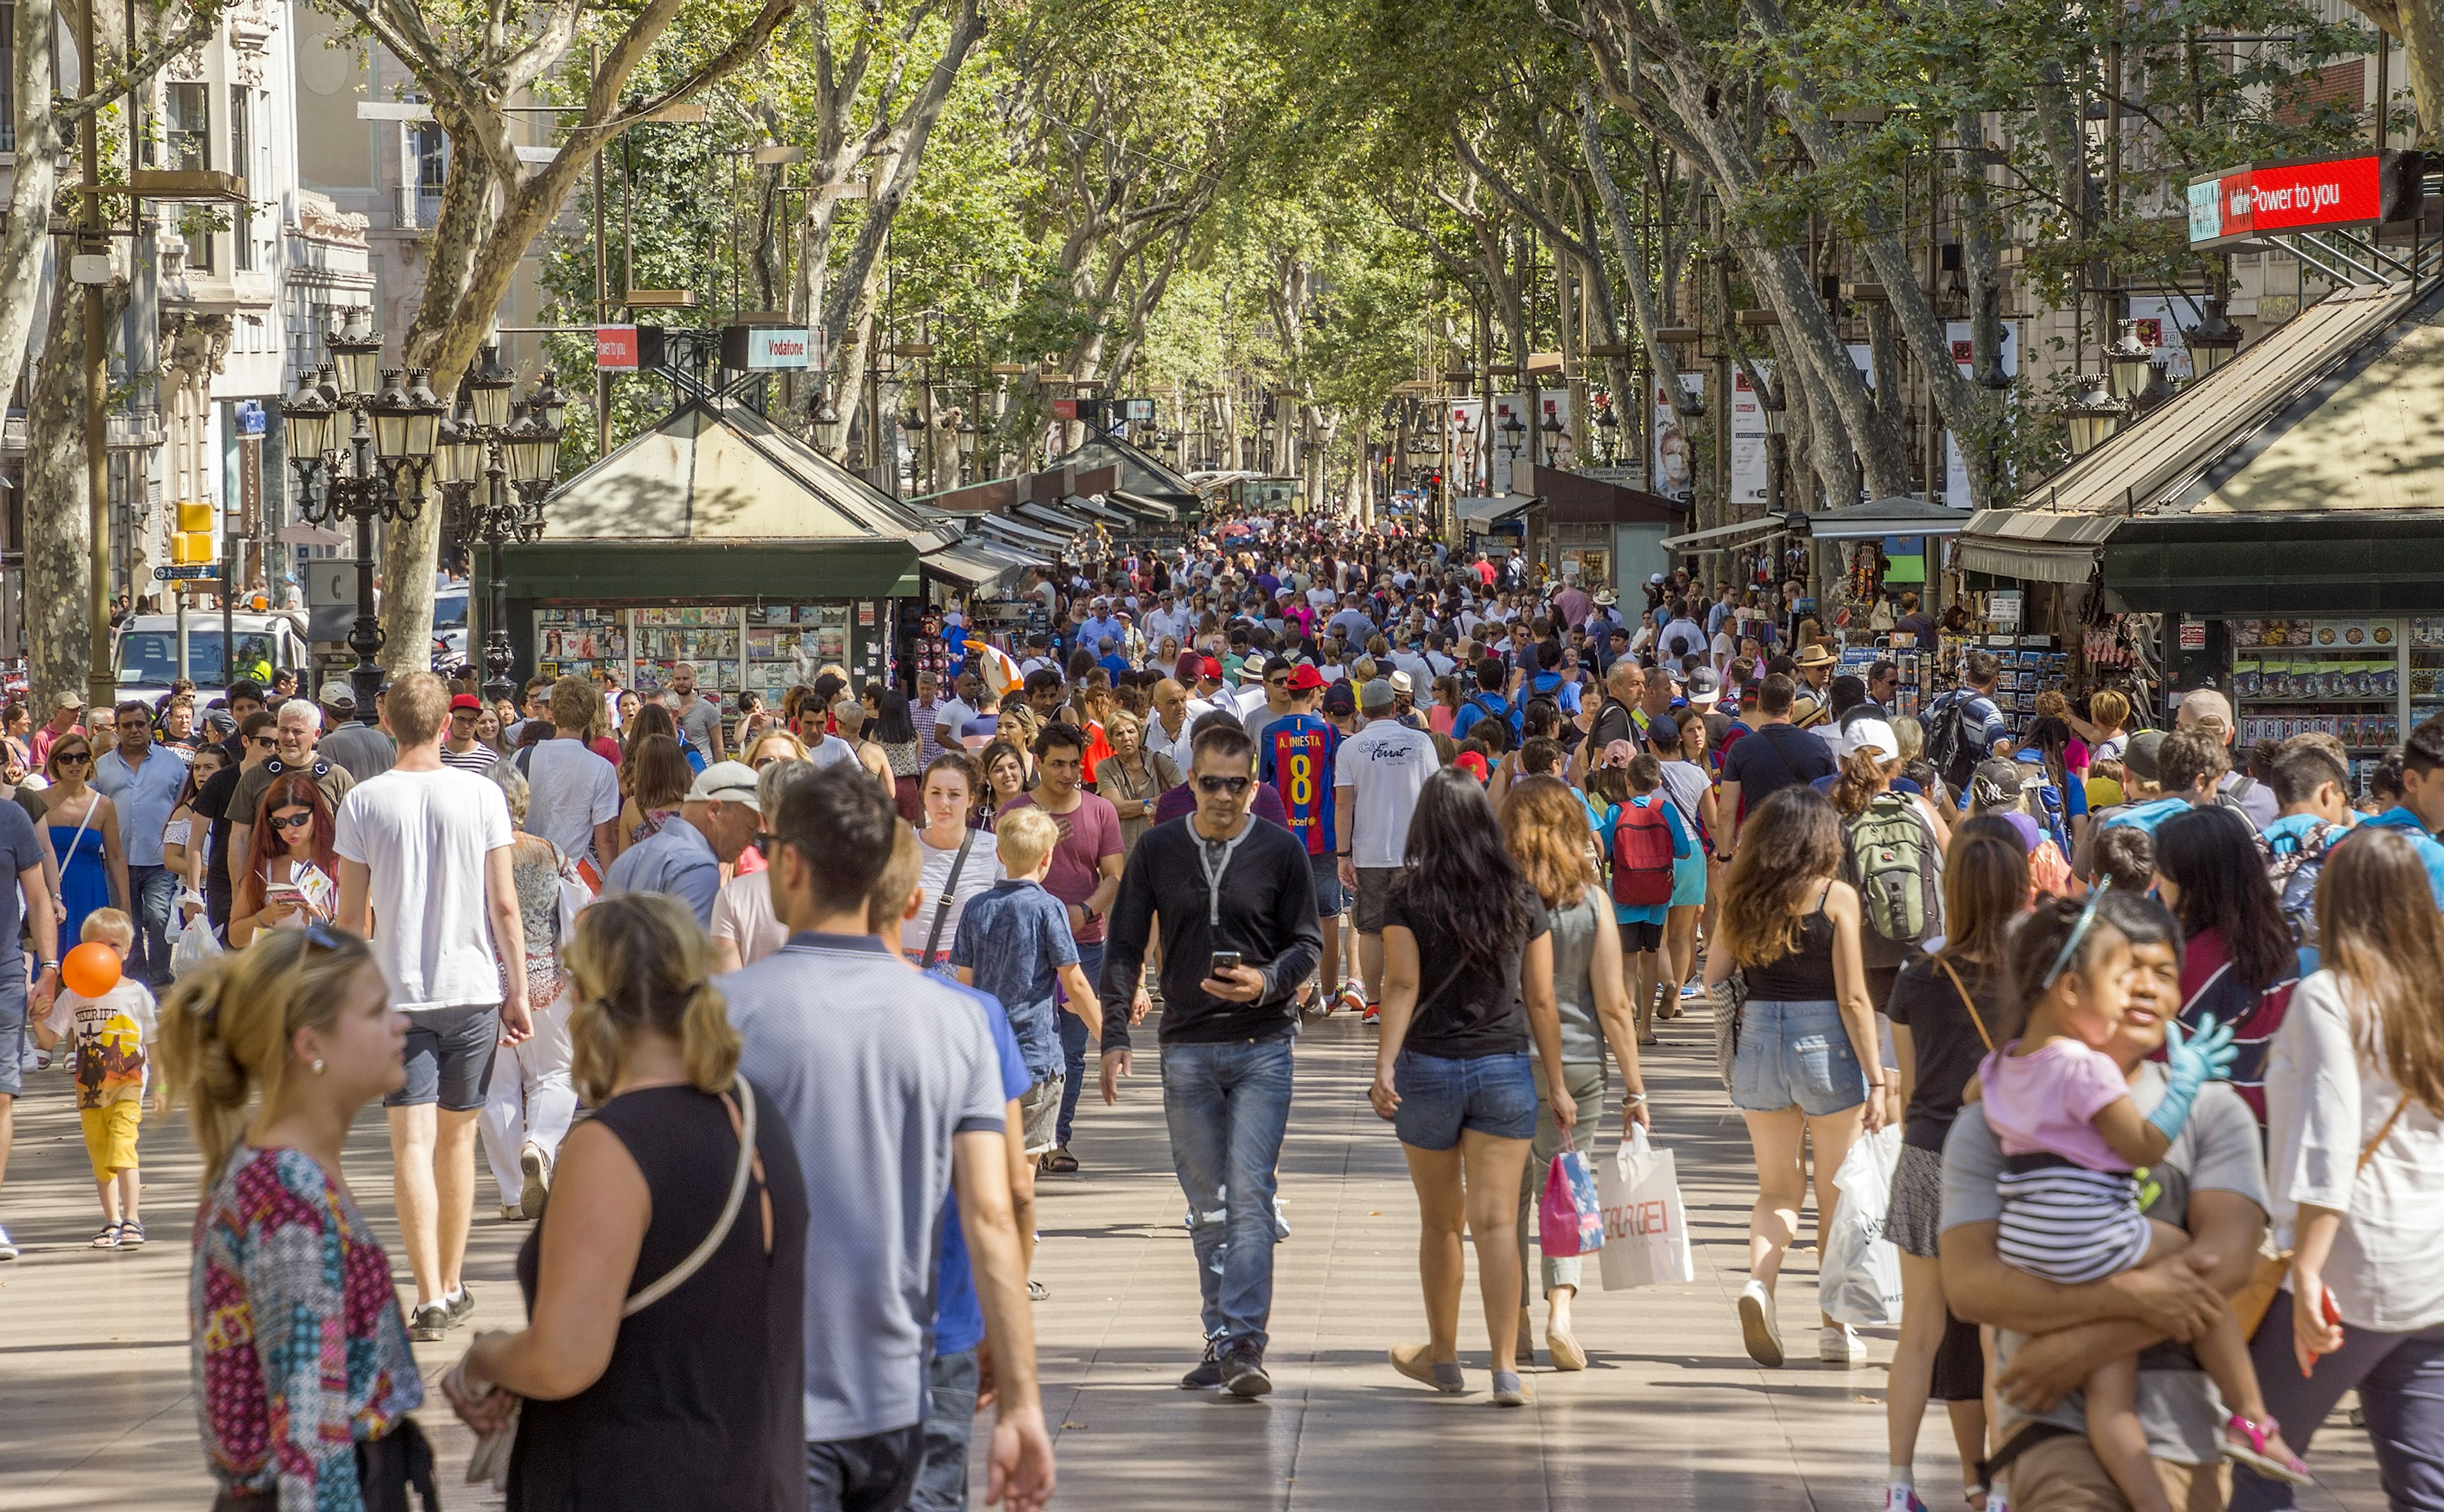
x: 110, y: 1019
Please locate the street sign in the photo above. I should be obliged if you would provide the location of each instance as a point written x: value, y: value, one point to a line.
x: 615, y: 348
x: 188, y: 571
x: 1138, y: 409
x: 2324, y: 193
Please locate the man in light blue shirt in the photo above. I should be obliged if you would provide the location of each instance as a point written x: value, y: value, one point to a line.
x: 143, y: 781
x: 892, y: 1087
x: 683, y: 859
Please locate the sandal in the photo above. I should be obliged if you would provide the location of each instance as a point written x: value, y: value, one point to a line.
x: 1060, y: 1162
x: 2277, y: 1464
x: 106, y: 1237
x: 131, y: 1234
x: 1036, y: 1291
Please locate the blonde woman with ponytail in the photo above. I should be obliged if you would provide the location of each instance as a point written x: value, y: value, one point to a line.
x: 293, y: 1322
x: 692, y: 1398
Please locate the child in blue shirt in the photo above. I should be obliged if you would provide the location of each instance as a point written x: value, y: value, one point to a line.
x: 1014, y: 943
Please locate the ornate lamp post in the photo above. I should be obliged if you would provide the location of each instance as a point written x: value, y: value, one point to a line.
x: 377, y: 474
x: 513, y: 451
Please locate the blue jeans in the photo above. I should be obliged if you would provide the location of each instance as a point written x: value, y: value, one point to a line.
x: 153, y: 890
x: 1226, y: 1107
x: 1073, y: 1039
x: 949, y: 1424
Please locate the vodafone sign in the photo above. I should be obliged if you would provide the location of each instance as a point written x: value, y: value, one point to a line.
x: 2319, y: 195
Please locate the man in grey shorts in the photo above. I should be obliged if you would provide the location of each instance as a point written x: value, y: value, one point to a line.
x: 424, y: 873
x: 1377, y: 775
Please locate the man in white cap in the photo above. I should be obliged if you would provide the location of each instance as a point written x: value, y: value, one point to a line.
x: 2205, y: 708
x: 685, y: 859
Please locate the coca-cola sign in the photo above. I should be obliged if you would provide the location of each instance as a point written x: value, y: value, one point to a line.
x: 2324, y: 193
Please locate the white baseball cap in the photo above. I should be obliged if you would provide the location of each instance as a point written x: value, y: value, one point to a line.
x: 1870, y: 734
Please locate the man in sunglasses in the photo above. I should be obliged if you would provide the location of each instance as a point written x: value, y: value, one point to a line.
x: 1236, y: 899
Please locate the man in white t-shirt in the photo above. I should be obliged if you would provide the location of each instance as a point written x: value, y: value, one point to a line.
x: 424, y: 874
x: 698, y: 714
x: 573, y: 793
x: 1377, y: 776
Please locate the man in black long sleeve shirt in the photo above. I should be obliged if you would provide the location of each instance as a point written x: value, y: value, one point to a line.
x: 1220, y: 881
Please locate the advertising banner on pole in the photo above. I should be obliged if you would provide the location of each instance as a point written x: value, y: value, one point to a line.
x: 1674, y: 463
x: 1751, y: 468
x: 1956, y: 469
x: 1466, y: 474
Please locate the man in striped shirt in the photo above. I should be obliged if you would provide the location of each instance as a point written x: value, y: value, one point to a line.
x: 459, y: 747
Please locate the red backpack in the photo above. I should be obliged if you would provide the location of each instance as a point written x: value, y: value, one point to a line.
x: 1642, y: 857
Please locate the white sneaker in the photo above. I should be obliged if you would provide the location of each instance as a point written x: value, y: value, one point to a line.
x: 1758, y: 1329
x: 8, y: 1249
x: 1693, y: 987
x: 1840, y: 1344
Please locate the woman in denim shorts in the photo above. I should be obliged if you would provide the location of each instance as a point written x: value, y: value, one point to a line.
x: 1805, y: 1034
x: 1453, y: 1071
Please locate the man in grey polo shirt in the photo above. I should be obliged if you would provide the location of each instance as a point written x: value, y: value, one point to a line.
x: 684, y: 859
x: 892, y: 1088
x: 2048, y: 1337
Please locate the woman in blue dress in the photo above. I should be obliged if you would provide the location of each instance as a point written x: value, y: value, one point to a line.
x: 85, y: 836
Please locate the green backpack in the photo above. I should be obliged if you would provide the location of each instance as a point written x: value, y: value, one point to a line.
x: 1888, y: 846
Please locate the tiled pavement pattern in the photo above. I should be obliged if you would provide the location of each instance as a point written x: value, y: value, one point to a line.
x: 95, y: 1409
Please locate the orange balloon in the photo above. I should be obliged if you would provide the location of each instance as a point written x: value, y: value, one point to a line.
x: 90, y: 970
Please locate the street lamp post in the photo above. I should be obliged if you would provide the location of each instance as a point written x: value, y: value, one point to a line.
x: 514, y: 450
x: 380, y: 473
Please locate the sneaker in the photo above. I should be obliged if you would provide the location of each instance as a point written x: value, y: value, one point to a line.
x: 1759, y: 1330
x: 1840, y: 1344
x: 1243, y: 1372
x: 429, y: 1324
x: 1693, y: 987
x: 537, y: 1168
x: 1207, y: 1374
x: 8, y: 1246
x: 1374, y: 1014
x: 1351, y: 999
x: 459, y: 1305
x: 1898, y: 1498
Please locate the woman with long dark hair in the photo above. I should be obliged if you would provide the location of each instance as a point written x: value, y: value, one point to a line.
x: 2355, y: 1174
x: 656, y: 777
x: 1807, y: 1070
x: 292, y: 873
x: 896, y: 732
x: 1453, y: 1071
x: 1948, y: 1009
x: 2240, y: 965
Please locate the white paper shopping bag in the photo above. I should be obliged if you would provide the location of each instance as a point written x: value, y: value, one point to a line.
x: 1646, y: 1232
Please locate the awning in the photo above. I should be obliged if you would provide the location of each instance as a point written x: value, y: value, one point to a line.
x: 1023, y: 536
x: 1490, y: 509
x: 1066, y: 525
x: 1722, y: 536
x: 1152, y: 510
x: 2034, y: 546
x: 1878, y: 518
x: 977, y: 564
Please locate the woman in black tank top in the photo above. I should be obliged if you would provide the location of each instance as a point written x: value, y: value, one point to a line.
x: 692, y: 1398
x: 1806, y: 1070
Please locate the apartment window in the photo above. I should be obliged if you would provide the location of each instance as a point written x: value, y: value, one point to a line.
x: 242, y: 159
x: 432, y: 157
x: 187, y: 134
x: 7, y: 79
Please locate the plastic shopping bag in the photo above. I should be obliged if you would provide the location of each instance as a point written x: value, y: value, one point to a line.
x: 1646, y: 1228
x: 1861, y: 1281
x: 192, y: 943
x: 1570, y: 1220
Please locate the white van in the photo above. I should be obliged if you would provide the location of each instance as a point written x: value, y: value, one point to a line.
x: 145, y: 650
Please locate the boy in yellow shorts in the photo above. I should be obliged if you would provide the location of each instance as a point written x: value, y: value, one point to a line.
x: 111, y: 1033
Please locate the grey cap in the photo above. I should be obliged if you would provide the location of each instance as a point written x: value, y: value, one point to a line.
x: 1375, y: 697
x: 2138, y: 757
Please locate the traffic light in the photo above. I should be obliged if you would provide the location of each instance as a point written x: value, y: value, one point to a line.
x: 196, y: 539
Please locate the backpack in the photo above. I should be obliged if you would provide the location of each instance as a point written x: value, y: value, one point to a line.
x: 1492, y: 707
x: 1642, y: 857
x: 1888, y: 846
x: 2296, y: 863
x: 1951, y: 744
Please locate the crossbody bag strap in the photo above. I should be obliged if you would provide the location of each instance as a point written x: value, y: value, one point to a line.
x: 743, y: 1119
x: 1967, y: 1002
x: 950, y: 891
x: 2381, y: 1135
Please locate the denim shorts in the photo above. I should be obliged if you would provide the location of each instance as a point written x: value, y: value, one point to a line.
x: 1328, y: 896
x: 1796, y: 1053
x: 1439, y: 1096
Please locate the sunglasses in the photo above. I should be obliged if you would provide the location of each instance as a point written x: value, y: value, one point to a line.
x: 293, y: 820
x: 263, y: 741
x: 73, y: 758
x: 2078, y: 933
x: 1232, y: 786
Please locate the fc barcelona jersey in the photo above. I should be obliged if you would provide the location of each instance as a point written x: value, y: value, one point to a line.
x: 1296, y: 757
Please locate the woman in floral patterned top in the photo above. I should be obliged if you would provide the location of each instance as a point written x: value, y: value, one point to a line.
x: 303, y: 1372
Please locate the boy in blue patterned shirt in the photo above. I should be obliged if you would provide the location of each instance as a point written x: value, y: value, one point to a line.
x: 1014, y: 943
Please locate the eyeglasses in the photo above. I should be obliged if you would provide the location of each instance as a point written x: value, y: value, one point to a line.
x: 1232, y: 786
x: 2078, y: 933
x: 293, y: 820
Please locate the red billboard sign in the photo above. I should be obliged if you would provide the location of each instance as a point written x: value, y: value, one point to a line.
x: 615, y: 348
x: 2320, y: 194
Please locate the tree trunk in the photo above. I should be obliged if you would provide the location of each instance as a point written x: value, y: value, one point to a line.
x: 31, y: 190
x: 59, y: 530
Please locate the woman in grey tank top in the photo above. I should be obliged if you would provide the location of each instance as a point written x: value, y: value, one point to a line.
x: 1545, y: 825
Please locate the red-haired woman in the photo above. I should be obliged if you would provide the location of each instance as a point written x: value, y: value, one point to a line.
x: 293, y: 875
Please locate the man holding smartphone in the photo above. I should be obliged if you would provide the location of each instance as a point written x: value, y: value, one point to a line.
x: 1236, y: 899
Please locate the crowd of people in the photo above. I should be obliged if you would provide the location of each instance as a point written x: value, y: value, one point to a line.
x: 800, y: 1002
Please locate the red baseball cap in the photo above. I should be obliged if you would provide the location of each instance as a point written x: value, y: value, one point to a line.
x: 466, y: 701
x: 1304, y: 678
